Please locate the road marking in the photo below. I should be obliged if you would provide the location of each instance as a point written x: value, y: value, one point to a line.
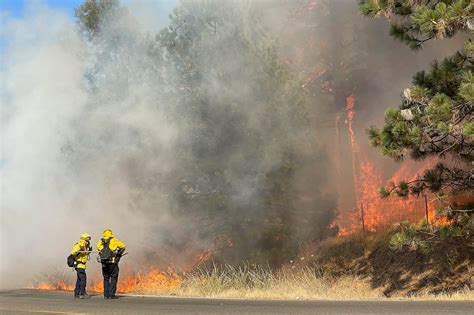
x: 24, y: 310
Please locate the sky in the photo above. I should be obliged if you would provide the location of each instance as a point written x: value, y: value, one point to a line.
x: 16, y: 9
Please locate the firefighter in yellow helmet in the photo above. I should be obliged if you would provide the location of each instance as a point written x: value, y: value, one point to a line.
x: 81, y: 251
x: 110, y: 250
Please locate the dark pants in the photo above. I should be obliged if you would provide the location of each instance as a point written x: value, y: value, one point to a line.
x: 110, y: 273
x: 80, y: 282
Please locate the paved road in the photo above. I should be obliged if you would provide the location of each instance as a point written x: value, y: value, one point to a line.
x: 40, y: 302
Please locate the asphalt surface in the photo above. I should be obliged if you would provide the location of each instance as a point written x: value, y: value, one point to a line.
x: 41, y: 302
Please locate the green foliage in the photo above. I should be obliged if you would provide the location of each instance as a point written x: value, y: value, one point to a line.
x: 434, y: 119
x: 447, y: 231
x: 444, y: 77
x: 375, y: 8
x: 468, y: 129
x: 399, y: 32
x: 384, y: 192
x: 414, y: 134
x: 436, y: 114
x: 422, y: 236
x: 392, y: 115
x: 419, y: 94
x: 439, y: 109
x: 426, y: 19
x: 466, y: 88
x: 374, y: 136
x: 420, y: 20
x: 409, y: 236
x: 370, y: 8
x: 402, y: 190
x: 469, y: 48
x: 92, y: 13
x: 434, y: 179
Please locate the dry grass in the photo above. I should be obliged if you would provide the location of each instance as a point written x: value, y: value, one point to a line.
x: 350, y: 268
x: 250, y: 282
x: 261, y: 283
x: 445, y: 271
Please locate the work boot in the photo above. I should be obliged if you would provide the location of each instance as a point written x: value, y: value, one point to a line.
x: 85, y: 296
x: 113, y: 297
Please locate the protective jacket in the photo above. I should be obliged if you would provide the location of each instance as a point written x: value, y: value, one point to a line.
x: 81, y: 258
x: 115, y: 245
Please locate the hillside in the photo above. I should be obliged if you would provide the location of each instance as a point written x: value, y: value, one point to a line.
x: 445, y: 268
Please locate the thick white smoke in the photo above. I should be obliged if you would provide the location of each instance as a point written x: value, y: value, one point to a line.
x: 42, y: 91
x: 92, y: 138
x: 65, y: 148
x: 90, y: 135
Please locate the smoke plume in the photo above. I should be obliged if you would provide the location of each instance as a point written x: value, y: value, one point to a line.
x: 181, y: 134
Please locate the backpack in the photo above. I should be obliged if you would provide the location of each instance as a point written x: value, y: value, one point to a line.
x: 106, y: 255
x: 71, y: 260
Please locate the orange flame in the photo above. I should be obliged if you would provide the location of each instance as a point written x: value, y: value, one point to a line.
x: 371, y: 211
x: 59, y: 285
x: 152, y: 279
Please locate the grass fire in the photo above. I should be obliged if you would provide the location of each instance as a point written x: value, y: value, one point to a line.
x: 236, y: 149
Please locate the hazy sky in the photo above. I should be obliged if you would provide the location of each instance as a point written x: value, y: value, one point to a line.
x: 17, y: 9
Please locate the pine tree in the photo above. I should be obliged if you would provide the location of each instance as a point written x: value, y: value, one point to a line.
x: 244, y: 150
x: 92, y: 13
x: 201, y: 44
x: 417, y: 21
x: 436, y: 116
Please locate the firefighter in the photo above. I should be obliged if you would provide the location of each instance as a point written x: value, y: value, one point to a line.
x: 110, y: 250
x: 80, y: 252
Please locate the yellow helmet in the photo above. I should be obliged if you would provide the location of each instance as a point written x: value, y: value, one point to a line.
x: 107, y: 233
x: 86, y: 236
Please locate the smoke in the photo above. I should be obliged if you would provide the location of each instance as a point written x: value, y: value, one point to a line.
x: 42, y: 77
x: 176, y: 139
x: 339, y: 53
x: 85, y: 141
x: 102, y: 132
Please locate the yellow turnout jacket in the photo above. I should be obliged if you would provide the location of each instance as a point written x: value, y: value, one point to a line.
x: 114, y: 244
x: 81, y: 258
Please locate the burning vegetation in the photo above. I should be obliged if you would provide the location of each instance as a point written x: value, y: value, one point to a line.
x: 148, y: 281
x: 372, y: 210
x: 210, y: 134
